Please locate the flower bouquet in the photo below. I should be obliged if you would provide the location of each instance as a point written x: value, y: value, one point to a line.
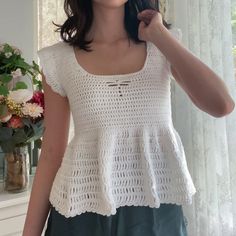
x: 21, y: 112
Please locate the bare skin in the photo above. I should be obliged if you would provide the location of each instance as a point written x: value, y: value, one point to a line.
x: 111, y: 46
x: 110, y: 42
x: 124, y: 59
x: 203, y: 86
x: 57, y: 119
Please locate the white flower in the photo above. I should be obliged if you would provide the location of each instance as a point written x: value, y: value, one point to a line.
x: 32, y: 109
x: 17, y: 51
x: 6, y: 118
x: 8, y: 54
x: 20, y: 95
x: 1, y: 48
x: 17, y: 73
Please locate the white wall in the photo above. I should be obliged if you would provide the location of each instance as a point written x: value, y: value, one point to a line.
x: 18, y: 25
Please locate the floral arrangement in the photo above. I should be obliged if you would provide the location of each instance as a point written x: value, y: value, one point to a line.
x: 21, y: 108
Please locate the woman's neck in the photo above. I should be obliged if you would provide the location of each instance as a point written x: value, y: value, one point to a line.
x: 108, y: 24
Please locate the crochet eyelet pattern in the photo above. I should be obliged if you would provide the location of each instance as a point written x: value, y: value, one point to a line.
x: 125, y: 149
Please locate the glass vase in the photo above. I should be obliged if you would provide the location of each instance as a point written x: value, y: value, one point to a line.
x: 16, y: 170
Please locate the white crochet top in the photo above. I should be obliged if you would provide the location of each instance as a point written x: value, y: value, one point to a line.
x: 125, y: 149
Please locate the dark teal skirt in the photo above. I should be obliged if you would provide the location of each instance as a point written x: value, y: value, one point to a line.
x: 167, y: 220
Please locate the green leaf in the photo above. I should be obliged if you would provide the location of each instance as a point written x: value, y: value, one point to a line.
x: 26, y: 121
x: 38, y: 130
x: 19, y: 136
x: 38, y: 84
x: 38, y: 143
x: 36, y: 67
x: 3, y: 110
x: 20, y: 85
x: 35, y: 81
x: 5, y: 78
x: 7, y: 146
x: 22, y: 64
x: 4, y: 90
x: 5, y: 133
x: 29, y: 133
x: 6, y: 65
x: 38, y: 127
x: 7, y: 48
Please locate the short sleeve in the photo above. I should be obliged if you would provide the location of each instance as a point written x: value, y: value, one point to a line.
x: 49, y: 66
x: 176, y: 33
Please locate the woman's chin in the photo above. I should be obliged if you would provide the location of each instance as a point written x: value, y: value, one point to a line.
x: 110, y: 3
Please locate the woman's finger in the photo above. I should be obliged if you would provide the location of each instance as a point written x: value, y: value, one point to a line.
x: 147, y: 11
x: 145, y: 18
x: 145, y: 15
x: 146, y: 21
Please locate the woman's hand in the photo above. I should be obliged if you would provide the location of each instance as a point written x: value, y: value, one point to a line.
x: 150, y: 20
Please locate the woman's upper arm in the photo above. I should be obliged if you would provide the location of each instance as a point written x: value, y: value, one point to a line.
x: 56, y: 123
x: 177, y: 34
x: 178, y: 79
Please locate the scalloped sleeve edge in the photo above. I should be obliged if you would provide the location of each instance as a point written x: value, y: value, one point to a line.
x: 49, y: 69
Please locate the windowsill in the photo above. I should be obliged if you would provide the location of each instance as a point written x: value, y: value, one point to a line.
x: 13, y: 210
x: 11, y: 199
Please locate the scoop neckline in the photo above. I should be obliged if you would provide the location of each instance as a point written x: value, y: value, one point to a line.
x: 91, y: 75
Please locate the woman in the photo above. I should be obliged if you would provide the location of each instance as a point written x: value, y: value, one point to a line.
x: 124, y: 172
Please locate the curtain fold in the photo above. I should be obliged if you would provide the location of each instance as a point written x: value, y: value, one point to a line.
x: 51, y: 11
x: 210, y: 143
x: 48, y: 11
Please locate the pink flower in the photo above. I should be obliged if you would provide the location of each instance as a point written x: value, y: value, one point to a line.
x: 15, y: 122
x: 38, y: 98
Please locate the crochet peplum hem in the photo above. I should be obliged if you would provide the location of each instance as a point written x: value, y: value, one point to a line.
x: 108, y: 168
x: 100, y: 210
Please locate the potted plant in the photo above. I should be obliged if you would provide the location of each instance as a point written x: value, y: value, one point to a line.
x: 21, y: 115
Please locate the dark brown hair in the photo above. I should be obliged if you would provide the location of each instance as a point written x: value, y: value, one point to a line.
x: 80, y: 17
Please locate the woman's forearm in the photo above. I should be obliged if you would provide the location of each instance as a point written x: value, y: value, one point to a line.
x: 39, y: 205
x: 202, y: 83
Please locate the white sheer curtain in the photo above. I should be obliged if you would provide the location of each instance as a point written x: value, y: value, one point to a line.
x: 48, y: 11
x: 210, y: 143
